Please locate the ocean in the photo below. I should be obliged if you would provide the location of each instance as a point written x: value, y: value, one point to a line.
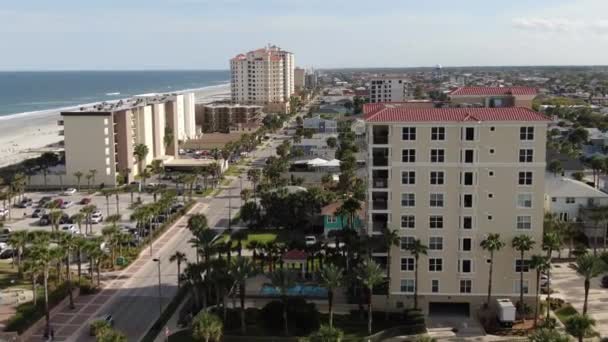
x: 24, y: 92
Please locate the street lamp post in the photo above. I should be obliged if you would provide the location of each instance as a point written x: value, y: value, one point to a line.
x: 229, y: 208
x: 160, y: 294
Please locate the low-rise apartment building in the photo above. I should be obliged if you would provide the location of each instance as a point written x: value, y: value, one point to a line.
x: 390, y: 89
x: 222, y: 117
x: 496, y: 97
x: 449, y: 177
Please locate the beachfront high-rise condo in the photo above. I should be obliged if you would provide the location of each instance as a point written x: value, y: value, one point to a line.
x: 263, y: 77
x: 449, y: 177
x: 390, y: 89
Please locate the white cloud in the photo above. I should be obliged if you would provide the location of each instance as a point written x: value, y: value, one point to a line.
x: 561, y: 25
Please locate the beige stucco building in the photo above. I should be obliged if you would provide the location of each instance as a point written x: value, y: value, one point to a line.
x: 494, y: 96
x: 449, y: 177
x: 299, y: 78
x: 390, y: 89
x: 263, y: 77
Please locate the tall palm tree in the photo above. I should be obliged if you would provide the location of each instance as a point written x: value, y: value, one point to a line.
x: 157, y: 168
x: 522, y: 243
x: 350, y: 207
x: 19, y: 240
x: 390, y: 238
x: 32, y: 269
x: 46, y: 255
x: 140, y: 151
x: 580, y: 326
x: 588, y: 266
x: 492, y: 244
x: 417, y: 248
x: 92, y: 173
x: 78, y: 175
x: 88, y: 210
x: 67, y: 241
x: 242, y: 269
x: 552, y: 241
x: 541, y: 264
x: 55, y: 217
x: 107, y: 193
x: 370, y: 274
x: 178, y: 257
x: 79, y: 246
x: 332, y: 277
x: 193, y: 274
x: 78, y: 218
x: 283, y: 279
x: 254, y: 176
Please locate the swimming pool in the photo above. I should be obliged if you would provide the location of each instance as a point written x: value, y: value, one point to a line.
x: 300, y: 290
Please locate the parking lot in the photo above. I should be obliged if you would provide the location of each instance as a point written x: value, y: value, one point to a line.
x: 21, y: 218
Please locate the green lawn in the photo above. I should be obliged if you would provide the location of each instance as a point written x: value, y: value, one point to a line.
x: 265, y: 236
x: 565, y: 312
x: 8, y: 276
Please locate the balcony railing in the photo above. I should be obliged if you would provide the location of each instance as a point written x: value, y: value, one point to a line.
x: 380, y: 204
x: 380, y: 183
x: 380, y: 161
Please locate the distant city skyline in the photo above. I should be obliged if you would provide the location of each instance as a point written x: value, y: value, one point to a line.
x: 205, y: 34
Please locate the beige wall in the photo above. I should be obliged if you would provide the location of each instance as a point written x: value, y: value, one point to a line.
x: 502, y: 206
x: 158, y: 124
x: 171, y: 122
x: 89, y: 145
x: 189, y: 116
x: 124, y: 142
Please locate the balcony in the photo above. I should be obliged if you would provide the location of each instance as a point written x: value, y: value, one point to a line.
x: 380, y: 135
x: 379, y: 200
x: 60, y: 122
x: 380, y: 156
x: 379, y: 222
x: 380, y: 179
x: 62, y: 132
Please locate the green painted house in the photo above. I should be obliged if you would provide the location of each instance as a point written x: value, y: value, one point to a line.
x: 331, y: 221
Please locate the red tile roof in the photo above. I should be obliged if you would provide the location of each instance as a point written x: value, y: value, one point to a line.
x: 494, y: 91
x: 295, y: 254
x: 386, y: 112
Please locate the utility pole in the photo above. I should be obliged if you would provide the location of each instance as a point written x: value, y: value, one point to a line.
x: 160, y: 294
x: 229, y: 209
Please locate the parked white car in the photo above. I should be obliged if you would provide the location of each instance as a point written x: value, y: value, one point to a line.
x: 70, y: 229
x: 3, y: 212
x: 96, y: 217
x: 310, y: 240
x: 69, y: 192
x: 67, y: 204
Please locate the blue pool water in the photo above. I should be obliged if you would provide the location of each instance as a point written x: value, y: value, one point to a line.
x: 298, y: 290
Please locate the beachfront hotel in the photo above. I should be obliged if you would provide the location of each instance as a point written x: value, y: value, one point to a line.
x: 102, y: 137
x: 263, y: 77
x: 449, y: 177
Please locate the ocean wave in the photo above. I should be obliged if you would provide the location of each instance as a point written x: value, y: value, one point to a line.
x: 113, y: 94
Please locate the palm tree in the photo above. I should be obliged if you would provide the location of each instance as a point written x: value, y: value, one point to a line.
x: 242, y: 269
x: 157, y: 168
x: 580, y: 326
x: 79, y: 245
x: 332, y: 277
x: 193, y: 274
x: 349, y: 207
x: 207, y: 327
x: 55, y: 217
x: 283, y: 279
x: 541, y: 264
x: 417, y: 248
x: 178, y: 257
x: 522, y: 244
x: 46, y: 255
x: 370, y: 274
x: 140, y: 151
x: 33, y: 268
x: 254, y: 176
x: 390, y: 238
x: 67, y: 241
x: 18, y: 240
x: 78, y: 175
x: 107, y: 193
x: 144, y: 175
x: 552, y: 241
x: 92, y: 173
x: 88, y: 177
x: 588, y: 266
x: 88, y: 210
x: 78, y: 218
x: 491, y: 244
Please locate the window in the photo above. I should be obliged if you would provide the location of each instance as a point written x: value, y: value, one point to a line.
x: 492, y: 151
x: 465, y: 266
x: 526, y: 133
x: 436, y: 201
x: 467, y: 178
x: 407, y: 264
x: 408, y: 133
x: 435, y: 264
x: 436, y: 222
x: 407, y: 285
x: 524, y: 222
x: 437, y: 133
x: 524, y: 200
x: 490, y: 195
x: 467, y: 201
x: 407, y: 242
x: 525, y: 178
x: 332, y: 219
x: 469, y: 156
x: 467, y: 222
x: 466, y: 244
x: 408, y: 156
x: 408, y: 221
x: 435, y: 286
x: 526, y: 155
x: 437, y: 177
x: 436, y: 243
x: 517, y: 284
x: 519, y: 265
x: 466, y: 285
x: 570, y: 200
x: 408, y: 177
x: 437, y: 155
x: 408, y: 200
x: 490, y: 218
x: 492, y: 129
x: 491, y: 173
x: 469, y: 133
x: 553, y: 199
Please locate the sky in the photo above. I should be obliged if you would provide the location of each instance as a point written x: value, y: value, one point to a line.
x: 205, y: 34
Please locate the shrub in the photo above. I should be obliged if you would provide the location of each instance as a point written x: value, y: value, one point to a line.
x: 302, y: 318
x: 87, y: 288
x: 326, y: 334
x: 556, y: 303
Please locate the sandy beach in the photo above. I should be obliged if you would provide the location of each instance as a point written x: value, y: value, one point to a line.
x: 27, y: 135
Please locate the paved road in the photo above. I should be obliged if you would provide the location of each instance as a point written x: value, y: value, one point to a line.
x: 131, y: 295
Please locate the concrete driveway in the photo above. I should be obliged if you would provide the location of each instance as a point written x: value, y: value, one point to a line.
x: 569, y: 286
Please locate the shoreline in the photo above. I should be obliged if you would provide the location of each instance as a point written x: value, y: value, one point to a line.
x: 27, y: 135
